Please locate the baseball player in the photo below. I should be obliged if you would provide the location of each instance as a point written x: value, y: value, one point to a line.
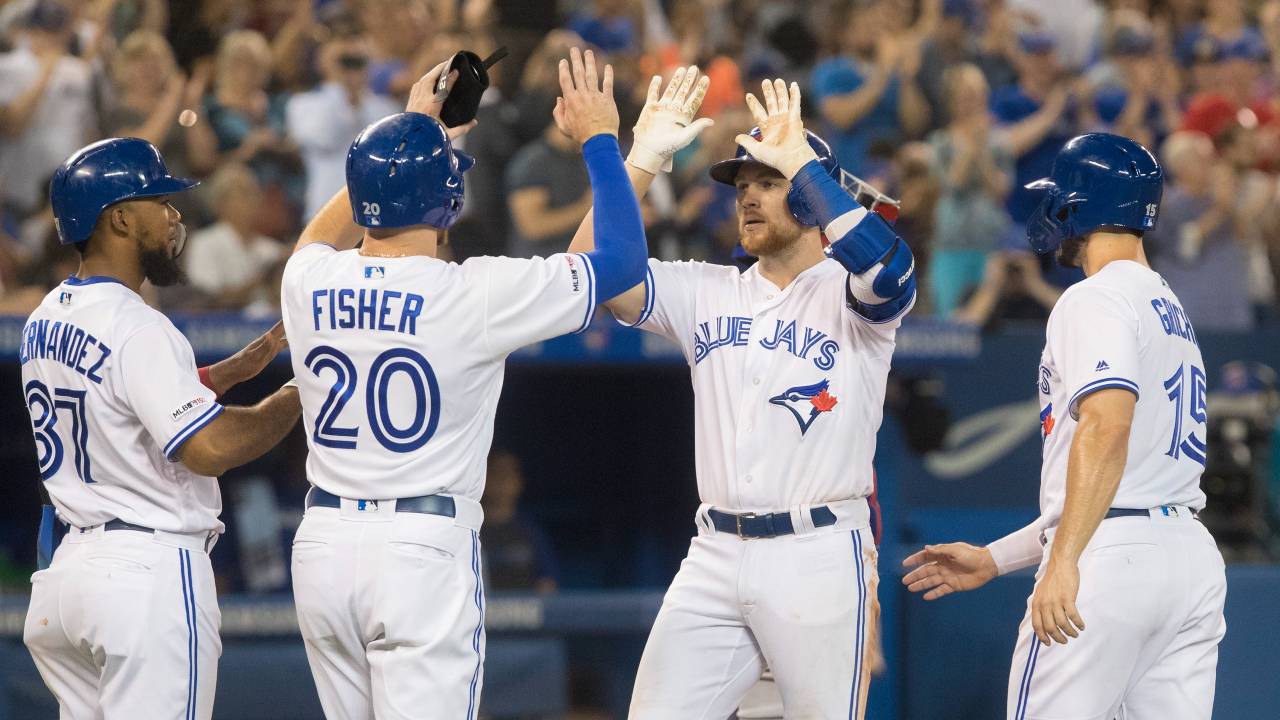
x: 789, y: 361
x: 399, y: 357
x: 124, y: 621
x: 1122, y: 396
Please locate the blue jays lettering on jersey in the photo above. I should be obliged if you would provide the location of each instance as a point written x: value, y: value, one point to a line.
x: 788, y: 382
x: 734, y: 331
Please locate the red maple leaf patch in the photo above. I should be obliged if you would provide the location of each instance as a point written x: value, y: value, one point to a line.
x: 823, y: 401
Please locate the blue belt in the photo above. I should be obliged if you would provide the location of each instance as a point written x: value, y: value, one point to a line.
x: 751, y: 525
x: 1127, y: 512
x: 423, y: 504
x: 52, y: 531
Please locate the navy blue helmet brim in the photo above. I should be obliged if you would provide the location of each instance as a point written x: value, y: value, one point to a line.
x: 165, y: 186
x: 726, y: 171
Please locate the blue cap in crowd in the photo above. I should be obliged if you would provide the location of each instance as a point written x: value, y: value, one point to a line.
x: 1132, y: 41
x: 1037, y: 42
x: 1248, y: 45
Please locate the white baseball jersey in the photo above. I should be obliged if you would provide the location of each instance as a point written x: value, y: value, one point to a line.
x: 788, y: 384
x: 399, y: 360
x: 1123, y: 327
x: 113, y: 393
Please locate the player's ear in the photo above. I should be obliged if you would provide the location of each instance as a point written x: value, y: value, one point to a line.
x: 120, y: 219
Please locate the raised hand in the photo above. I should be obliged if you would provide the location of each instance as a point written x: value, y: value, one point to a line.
x: 943, y: 569
x: 783, y: 143
x: 428, y: 94
x: 666, y: 123
x: 585, y: 107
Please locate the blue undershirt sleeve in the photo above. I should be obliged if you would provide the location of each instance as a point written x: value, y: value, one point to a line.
x: 619, y: 258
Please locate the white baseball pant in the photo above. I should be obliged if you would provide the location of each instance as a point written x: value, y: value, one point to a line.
x: 801, y: 604
x: 391, y: 608
x: 124, y: 624
x: 1152, y: 591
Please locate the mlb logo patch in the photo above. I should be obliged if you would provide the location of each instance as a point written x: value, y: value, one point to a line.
x: 64, y: 298
x: 375, y: 272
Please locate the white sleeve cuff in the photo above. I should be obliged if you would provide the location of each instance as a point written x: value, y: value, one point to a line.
x: 1017, y: 550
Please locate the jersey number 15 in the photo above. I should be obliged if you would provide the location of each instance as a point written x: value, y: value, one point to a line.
x: 396, y: 438
x: 1190, y: 446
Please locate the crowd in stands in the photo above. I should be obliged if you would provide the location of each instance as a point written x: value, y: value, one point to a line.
x: 950, y: 105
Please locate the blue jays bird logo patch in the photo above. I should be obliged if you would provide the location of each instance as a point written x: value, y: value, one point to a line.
x: 806, y: 402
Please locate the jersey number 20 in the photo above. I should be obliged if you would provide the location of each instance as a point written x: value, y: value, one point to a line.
x: 401, y: 439
x: 44, y: 407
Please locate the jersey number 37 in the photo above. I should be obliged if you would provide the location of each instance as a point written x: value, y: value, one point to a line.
x: 400, y: 438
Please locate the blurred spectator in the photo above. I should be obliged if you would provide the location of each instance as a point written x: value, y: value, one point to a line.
x: 973, y: 170
x: 230, y: 261
x: 245, y: 118
x: 1135, y: 92
x: 517, y: 553
x: 324, y: 121
x: 149, y: 92
x: 1037, y: 119
x: 1224, y: 21
x: 46, y: 106
x: 867, y: 94
x: 1073, y: 24
x: 548, y: 193
x: 1013, y: 288
x: 1234, y: 97
x: 609, y: 25
x: 952, y: 43
x: 249, y: 125
x: 1193, y: 245
x: 400, y: 32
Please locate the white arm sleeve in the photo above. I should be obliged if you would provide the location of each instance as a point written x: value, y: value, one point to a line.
x: 1019, y: 549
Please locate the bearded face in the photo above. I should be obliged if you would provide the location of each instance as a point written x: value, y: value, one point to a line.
x: 161, y: 239
x: 765, y: 223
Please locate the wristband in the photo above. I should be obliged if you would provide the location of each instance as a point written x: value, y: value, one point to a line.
x: 205, y: 380
x: 647, y: 160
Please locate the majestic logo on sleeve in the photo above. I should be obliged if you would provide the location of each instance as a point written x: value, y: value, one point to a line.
x: 806, y: 402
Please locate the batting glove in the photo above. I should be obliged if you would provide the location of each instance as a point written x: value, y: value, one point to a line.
x: 666, y: 123
x: 782, y: 144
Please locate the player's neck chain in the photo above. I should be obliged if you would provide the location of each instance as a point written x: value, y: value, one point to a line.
x: 366, y: 253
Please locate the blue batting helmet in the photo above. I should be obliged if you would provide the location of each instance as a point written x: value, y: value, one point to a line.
x: 1098, y: 180
x: 726, y: 171
x: 100, y: 175
x: 403, y: 171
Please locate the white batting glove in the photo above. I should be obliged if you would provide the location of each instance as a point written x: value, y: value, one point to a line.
x: 666, y: 123
x: 783, y: 144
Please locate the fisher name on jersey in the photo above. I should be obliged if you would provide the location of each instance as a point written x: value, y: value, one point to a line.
x: 399, y: 360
